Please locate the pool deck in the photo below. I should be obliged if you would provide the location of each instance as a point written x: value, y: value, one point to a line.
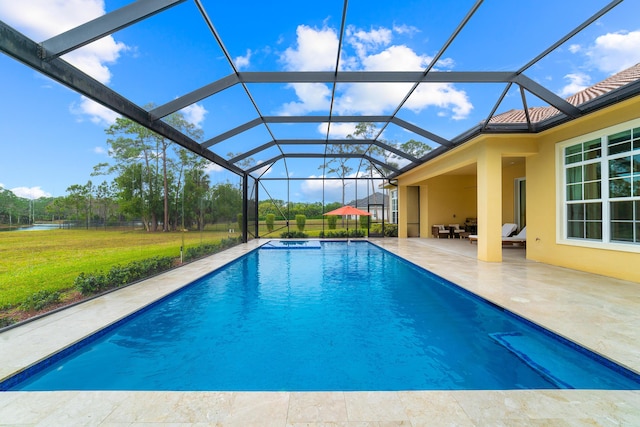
x: 600, y: 313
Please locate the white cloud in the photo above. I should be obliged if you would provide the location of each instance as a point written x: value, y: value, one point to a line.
x: 441, y: 95
x: 577, y: 82
x: 194, y: 114
x: 378, y: 98
x: 30, y: 192
x: 395, y: 58
x: 100, y: 150
x: 97, y: 113
x: 315, y: 50
x: 41, y: 20
x: 313, y: 188
x: 214, y: 168
x: 263, y: 171
x: 614, y: 52
x: 365, y: 41
x: 93, y: 58
x: 337, y: 130
x: 575, y: 48
x: 46, y: 19
x: 406, y: 29
x: 445, y: 63
x: 312, y: 97
x: 243, y: 61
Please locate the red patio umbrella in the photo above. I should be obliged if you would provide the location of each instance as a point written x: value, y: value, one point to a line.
x: 348, y: 210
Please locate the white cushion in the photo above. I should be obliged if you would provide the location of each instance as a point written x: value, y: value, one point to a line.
x: 508, y: 228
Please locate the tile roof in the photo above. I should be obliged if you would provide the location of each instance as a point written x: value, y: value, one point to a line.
x: 375, y: 198
x: 538, y: 114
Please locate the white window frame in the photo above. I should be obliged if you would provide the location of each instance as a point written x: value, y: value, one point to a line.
x: 393, y: 197
x: 561, y: 211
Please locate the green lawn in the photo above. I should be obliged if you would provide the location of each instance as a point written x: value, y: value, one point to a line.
x: 31, y: 261
x: 51, y: 260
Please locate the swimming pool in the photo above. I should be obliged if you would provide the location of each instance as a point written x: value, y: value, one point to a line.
x: 346, y: 317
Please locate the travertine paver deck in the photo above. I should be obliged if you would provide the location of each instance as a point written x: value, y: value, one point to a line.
x: 600, y: 313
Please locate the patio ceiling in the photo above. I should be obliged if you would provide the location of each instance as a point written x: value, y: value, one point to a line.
x: 257, y: 134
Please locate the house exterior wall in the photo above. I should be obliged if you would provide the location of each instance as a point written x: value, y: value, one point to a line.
x: 444, y: 192
x: 451, y: 199
x: 509, y: 175
x: 544, y: 200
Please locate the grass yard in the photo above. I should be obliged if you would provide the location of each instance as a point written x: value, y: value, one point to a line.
x: 51, y: 260
x: 31, y: 261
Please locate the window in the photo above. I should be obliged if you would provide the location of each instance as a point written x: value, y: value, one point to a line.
x: 394, y: 206
x: 601, y: 187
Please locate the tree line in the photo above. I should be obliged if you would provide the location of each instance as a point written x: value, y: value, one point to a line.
x: 165, y: 186
x: 153, y: 180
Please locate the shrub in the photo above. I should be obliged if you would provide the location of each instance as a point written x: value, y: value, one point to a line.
x: 342, y: 233
x: 40, y: 300
x: 364, y: 221
x: 301, y: 220
x: 332, y: 220
x: 293, y: 235
x: 270, y: 221
x: 210, y: 248
x: 91, y: 283
x: 119, y: 275
x: 240, y: 223
x: 7, y: 321
x: 390, y: 230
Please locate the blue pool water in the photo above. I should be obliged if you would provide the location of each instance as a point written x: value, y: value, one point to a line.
x: 345, y: 317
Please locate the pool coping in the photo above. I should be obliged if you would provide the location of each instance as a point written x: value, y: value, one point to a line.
x: 34, y: 341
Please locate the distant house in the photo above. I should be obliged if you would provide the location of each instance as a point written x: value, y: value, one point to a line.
x: 375, y: 204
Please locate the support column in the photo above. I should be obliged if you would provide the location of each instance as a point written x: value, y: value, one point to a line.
x: 489, y: 172
x: 245, y: 208
x: 402, y: 211
x: 425, y: 224
x: 256, y: 222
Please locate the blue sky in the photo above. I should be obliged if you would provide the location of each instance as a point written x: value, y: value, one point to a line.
x: 51, y: 137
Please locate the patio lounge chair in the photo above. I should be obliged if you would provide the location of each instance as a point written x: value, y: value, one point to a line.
x: 439, y: 230
x: 519, y: 239
x: 456, y: 230
x: 507, y: 230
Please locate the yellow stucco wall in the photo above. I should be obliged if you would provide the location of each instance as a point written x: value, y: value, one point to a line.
x: 451, y: 199
x: 542, y: 200
x: 510, y: 172
x: 445, y: 192
x: 413, y: 211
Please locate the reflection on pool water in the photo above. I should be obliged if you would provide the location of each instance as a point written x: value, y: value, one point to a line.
x: 346, y: 317
x: 292, y: 244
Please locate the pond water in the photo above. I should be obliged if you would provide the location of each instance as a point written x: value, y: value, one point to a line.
x: 38, y: 227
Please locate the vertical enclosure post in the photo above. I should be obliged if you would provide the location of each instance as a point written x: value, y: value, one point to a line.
x: 245, y: 207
